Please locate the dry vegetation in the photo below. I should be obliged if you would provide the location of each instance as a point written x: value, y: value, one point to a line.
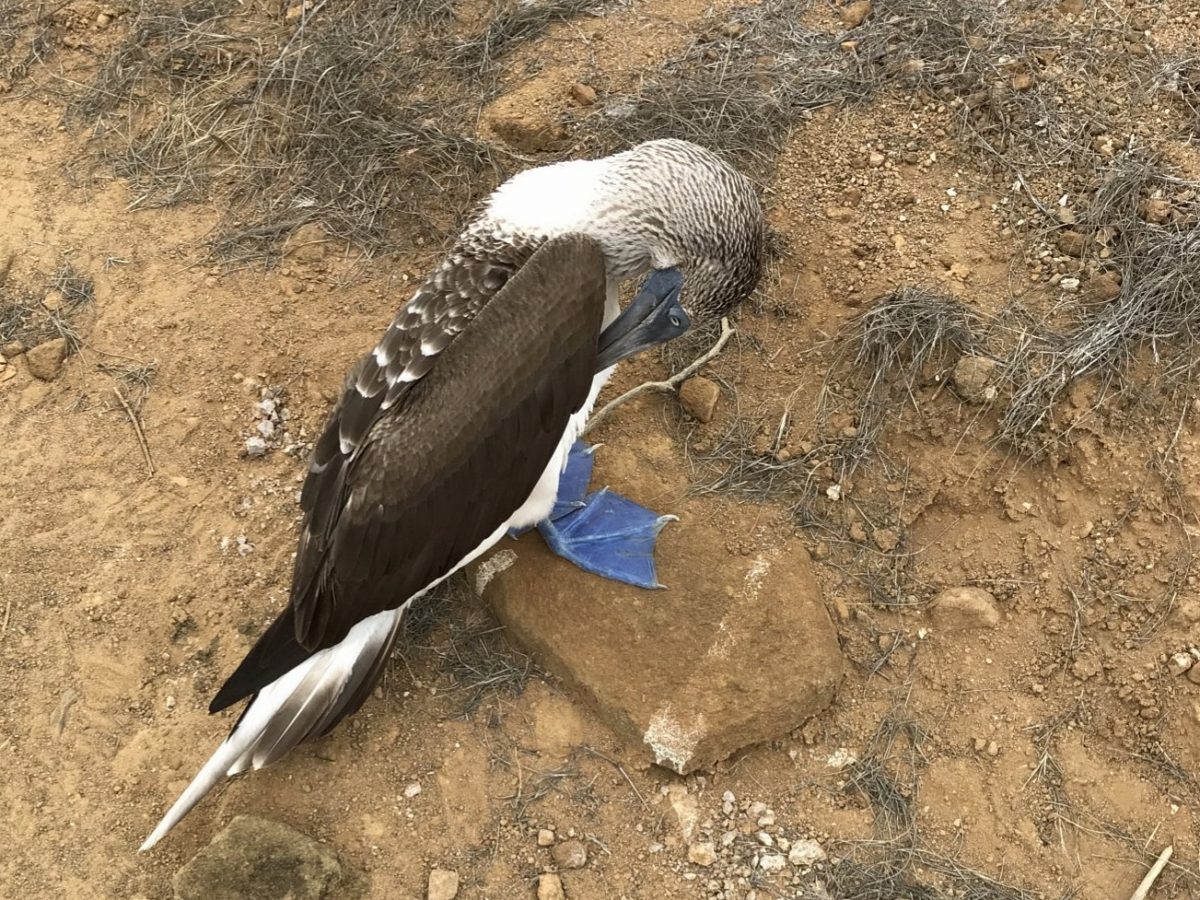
x: 360, y: 117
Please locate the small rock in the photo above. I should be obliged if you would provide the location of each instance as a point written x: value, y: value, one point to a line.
x: 886, y: 539
x: 259, y: 858
x: 545, y: 837
x: 1157, y: 211
x: 806, y: 852
x: 570, y: 855
x: 765, y: 839
x: 103, y: 20
x: 1179, y: 663
x: 854, y: 14
x: 1070, y: 284
x: 12, y: 349
x: 839, y: 213
x: 772, y: 862
x: 858, y: 534
x: 961, y: 271
x: 993, y: 749
x: 1106, y: 286
x: 550, y: 888
x: 54, y: 301
x: 443, y: 884
x: 876, y: 159
x: 308, y: 243
x: 1193, y: 674
x: 1022, y: 82
x: 1072, y: 7
x: 966, y: 607
x: 256, y: 447
x: 702, y: 854
x: 1072, y: 243
x: 971, y: 376
x: 45, y: 360
x: 412, y: 790
x: 583, y: 94
x: 699, y: 397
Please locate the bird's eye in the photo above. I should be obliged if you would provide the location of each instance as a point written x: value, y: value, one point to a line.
x: 675, y: 321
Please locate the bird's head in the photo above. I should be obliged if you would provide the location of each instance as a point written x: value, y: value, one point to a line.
x: 666, y: 204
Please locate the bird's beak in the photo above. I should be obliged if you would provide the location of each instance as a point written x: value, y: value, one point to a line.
x: 654, y: 317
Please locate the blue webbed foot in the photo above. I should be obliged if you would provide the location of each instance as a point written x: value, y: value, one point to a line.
x: 572, y: 485
x: 610, y: 536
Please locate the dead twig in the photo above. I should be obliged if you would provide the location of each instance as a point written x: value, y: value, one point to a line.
x: 671, y: 384
x: 137, y: 428
x: 1143, y: 889
x: 620, y: 768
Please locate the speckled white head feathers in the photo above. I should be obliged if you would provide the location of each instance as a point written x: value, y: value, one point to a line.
x: 663, y: 203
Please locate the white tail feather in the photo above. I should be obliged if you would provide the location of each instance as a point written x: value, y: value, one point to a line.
x: 318, y: 683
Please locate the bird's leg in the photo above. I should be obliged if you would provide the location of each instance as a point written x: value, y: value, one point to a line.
x: 602, y: 533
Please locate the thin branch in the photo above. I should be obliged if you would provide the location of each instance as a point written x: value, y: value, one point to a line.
x: 671, y: 384
x: 137, y: 427
x: 1143, y: 890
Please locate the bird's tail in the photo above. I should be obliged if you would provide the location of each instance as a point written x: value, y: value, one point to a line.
x: 304, y: 703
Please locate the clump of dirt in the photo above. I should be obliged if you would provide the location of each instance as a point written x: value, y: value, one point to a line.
x: 966, y: 387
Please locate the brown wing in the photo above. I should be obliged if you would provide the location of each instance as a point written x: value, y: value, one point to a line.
x: 445, y: 464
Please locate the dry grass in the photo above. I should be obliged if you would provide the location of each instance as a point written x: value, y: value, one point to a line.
x: 509, y: 26
x: 332, y: 119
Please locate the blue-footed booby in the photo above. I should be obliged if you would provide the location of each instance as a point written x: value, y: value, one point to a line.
x: 461, y: 425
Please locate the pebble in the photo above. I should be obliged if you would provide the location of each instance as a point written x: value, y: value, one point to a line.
x: 1179, y: 663
x: 1070, y: 284
x: 703, y: 854
x: 1193, y: 674
x: 765, y: 839
x: 583, y: 94
x: 876, y: 159
x: 1157, y: 211
x: 570, y: 855
x: 971, y: 376
x: 1106, y: 286
x: 886, y: 539
x: 806, y: 852
x: 699, y: 397
x: 854, y: 14
x: 545, y: 837
x: 54, y: 301
x: 839, y: 213
x: 412, y: 790
x: 255, y: 447
x: 1072, y: 243
x: 968, y: 607
x: 550, y: 888
x: 772, y: 862
x: 45, y: 360
x: 443, y: 884
x: 1022, y: 81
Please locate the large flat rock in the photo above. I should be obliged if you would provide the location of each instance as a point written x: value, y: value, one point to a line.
x: 738, y: 649
x: 259, y: 858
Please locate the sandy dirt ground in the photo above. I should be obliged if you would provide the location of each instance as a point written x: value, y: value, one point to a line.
x: 1044, y: 738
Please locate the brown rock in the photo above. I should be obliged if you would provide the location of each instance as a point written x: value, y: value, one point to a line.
x: 54, y: 301
x: 258, y: 858
x: 1193, y: 674
x: 971, y: 376
x: 443, y: 884
x: 1106, y: 286
x: 550, y: 888
x: 699, y: 398
x: 886, y: 539
x: 583, y: 94
x: 694, y: 699
x: 1071, y: 7
x: 570, y: 855
x: 854, y: 14
x: 1157, y: 211
x: 308, y: 243
x: 45, y: 360
x: 839, y: 213
x: 1022, y: 81
x: 12, y: 349
x: 966, y: 607
x: 1072, y: 243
